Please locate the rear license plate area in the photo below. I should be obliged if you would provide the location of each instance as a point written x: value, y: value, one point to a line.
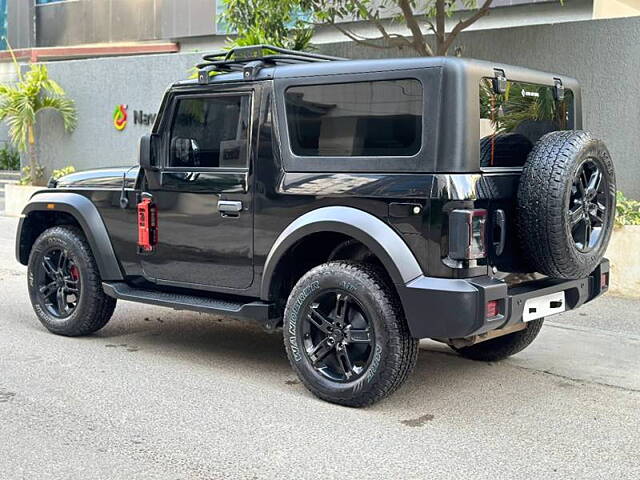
x: 544, y: 306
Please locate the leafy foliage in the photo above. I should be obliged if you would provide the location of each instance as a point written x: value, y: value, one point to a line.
x: 426, y: 15
x: 56, y: 174
x: 273, y: 22
x: 28, y: 179
x: 21, y: 102
x: 627, y: 211
x: 9, y: 158
x: 35, y: 92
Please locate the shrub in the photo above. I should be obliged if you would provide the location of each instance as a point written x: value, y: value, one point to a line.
x: 27, y: 177
x: 627, y: 211
x: 9, y: 158
x: 56, y: 174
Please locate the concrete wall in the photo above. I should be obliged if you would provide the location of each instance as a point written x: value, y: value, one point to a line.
x: 603, y: 54
x: 98, y: 86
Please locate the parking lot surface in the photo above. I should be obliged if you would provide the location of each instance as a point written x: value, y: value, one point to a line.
x: 176, y: 395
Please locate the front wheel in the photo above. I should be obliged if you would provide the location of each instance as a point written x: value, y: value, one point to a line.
x: 64, y: 284
x: 346, y: 336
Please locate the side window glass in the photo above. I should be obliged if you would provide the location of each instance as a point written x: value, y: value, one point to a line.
x: 210, y: 132
x: 380, y: 118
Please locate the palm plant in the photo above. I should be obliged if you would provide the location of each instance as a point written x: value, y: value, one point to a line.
x: 20, y: 104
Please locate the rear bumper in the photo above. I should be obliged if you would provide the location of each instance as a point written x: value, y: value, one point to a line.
x: 455, y: 308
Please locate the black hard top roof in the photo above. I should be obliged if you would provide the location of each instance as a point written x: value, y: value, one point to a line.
x: 463, y: 67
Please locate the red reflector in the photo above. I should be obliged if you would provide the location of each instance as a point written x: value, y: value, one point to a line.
x: 492, y: 308
x: 604, y: 280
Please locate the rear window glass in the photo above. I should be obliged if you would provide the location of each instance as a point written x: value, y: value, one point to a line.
x: 511, y: 123
x: 379, y: 118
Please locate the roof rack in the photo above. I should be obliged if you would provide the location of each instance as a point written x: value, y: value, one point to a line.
x: 250, y: 60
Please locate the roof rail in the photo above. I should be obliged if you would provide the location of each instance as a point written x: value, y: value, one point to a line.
x: 251, y: 59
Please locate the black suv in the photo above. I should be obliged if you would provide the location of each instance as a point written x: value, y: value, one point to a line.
x: 361, y: 205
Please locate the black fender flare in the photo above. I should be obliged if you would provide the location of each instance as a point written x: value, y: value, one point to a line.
x: 87, y: 215
x: 374, y: 233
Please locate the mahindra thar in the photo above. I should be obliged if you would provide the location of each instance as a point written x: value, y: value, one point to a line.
x: 360, y: 205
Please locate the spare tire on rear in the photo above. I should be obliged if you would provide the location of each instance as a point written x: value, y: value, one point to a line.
x: 566, y: 204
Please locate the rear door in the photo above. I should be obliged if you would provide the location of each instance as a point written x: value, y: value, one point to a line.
x: 510, y: 125
x: 204, y: 193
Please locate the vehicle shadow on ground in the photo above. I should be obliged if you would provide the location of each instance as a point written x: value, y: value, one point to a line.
x: 229, y: 346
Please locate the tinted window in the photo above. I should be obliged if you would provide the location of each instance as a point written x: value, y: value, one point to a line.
x: 210, y: 132
x: 511, y: 123
x: 381, y: 118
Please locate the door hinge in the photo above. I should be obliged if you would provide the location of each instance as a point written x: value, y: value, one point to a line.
x: 499, y: 81
x: 558, y: 89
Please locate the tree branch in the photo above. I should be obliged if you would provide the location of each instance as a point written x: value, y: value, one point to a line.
x: 432, y: 27
x: 383, y: 31
x: 366, y: 42
x: 440, y: 26
x: 462, y: 24
x: 372, y: 18
x: 393, y: 39
x: 419, y: 42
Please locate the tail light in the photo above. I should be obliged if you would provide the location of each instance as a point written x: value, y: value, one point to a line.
x: 493, y: 308
x: 467, y: 234
x: 147, y: 225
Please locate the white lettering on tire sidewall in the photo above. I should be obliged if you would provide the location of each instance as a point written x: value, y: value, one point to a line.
x: 293, y: 318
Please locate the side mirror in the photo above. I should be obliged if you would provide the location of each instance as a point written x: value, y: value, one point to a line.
x: 148, y: 151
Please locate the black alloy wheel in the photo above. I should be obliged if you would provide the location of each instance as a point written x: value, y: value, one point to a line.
x: 345, y: 334
x: 64, y: 283
x: 338, y: 337
x: 588, y: 206
x: 58, y: 283
x: 566, y: 204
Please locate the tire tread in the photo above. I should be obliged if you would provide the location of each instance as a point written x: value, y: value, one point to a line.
x: 97, y: 307
x: 402, y: 347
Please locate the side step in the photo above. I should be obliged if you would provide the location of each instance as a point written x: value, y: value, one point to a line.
x: 256, y: 310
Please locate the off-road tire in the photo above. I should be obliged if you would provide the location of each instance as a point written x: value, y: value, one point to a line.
x: 543, y: 201
x: 396, y: 350
x: 94, y: 308
x: 502, y: 347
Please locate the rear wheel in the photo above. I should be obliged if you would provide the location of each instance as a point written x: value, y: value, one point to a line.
x: 64, y: 284
x: 346, y: 336
x: 566, y: 204
x: 502, y: 347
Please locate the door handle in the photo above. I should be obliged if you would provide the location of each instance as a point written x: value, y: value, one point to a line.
x: 229, y: 208
x: 499, y: 231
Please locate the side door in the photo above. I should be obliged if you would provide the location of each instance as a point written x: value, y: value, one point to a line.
x: 203, y: 192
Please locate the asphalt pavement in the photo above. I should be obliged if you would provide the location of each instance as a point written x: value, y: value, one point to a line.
x: 161, y: 394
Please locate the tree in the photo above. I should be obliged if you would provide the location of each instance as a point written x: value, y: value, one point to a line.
x: 419, y: 16
x: 20, y: 105
x: 281, y: 23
